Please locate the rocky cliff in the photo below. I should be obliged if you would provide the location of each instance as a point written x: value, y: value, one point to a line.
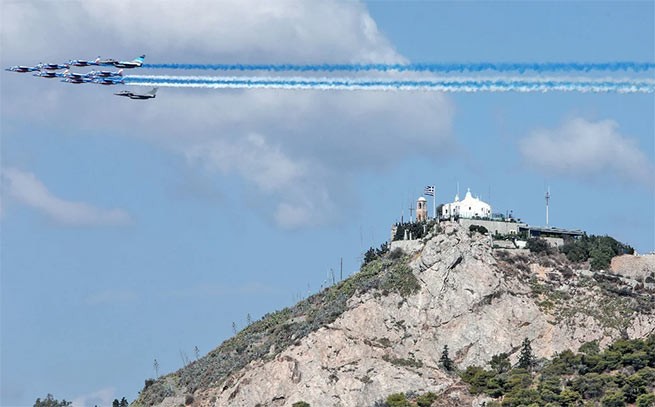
x: 383, y: 330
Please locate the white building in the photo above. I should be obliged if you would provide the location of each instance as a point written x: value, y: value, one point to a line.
x: 468, y: 207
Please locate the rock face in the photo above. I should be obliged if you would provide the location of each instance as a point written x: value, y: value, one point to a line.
x: 476, y: 300
x: 636, y: 267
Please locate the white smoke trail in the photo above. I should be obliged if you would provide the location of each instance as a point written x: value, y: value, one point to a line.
x: 444, y: 84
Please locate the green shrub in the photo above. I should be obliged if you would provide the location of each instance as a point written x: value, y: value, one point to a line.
x: 398, y: 400
x: 426, y: 400
x: 646, y: 400
x: 478, y: 228
x: 538, y: 245
x: 300, y: 404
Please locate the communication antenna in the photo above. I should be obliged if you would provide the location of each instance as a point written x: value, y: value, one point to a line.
x: 547, y: 201
x: 411, y: 211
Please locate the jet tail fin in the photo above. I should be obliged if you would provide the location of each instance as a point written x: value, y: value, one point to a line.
x: 153, y: 91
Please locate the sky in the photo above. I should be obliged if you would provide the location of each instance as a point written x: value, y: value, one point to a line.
x: 135, y: 231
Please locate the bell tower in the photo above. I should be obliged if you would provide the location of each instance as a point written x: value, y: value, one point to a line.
x: 421, y: 210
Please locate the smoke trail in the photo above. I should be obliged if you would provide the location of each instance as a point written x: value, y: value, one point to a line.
x: 520, y: 67
x: 440, y: 84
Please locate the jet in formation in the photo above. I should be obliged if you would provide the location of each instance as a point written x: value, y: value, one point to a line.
x: 135, y: 63
x: 96, y: 62
x: 51, y: 67
x: 100, y: 77
x: 148, y: 95
x: 22, y: 68
x: 49, y: 74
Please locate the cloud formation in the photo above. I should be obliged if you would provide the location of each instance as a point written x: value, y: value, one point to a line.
x: 295, y: 150
x: 586, y: 150
x: 25, y: 188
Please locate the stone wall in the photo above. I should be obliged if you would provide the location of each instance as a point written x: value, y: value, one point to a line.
x: 493, y: 226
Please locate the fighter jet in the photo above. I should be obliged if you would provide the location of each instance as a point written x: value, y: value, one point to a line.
x: 95, y: 62
x: 22, y: 69
x: 135, y: 63
x: 112, y: 80
x: 52, y: 67
x: 104, y: 62
x: 72, y: 77
x: 105, y: 74
x: 148, y: 95
x: 49, y: 74
x: 82, y: 62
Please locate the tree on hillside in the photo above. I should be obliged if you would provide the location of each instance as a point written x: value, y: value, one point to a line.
x: 50, y: 401
x: 445, y: 360
x: 526, y: 359
x: 500, y: 363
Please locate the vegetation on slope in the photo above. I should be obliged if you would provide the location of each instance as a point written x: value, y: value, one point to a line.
x: 598, y: 250
x: 621, y: 374
x: 384, y: 273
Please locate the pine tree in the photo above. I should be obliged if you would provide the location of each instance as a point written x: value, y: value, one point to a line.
x: 526, y: 359
x: 445, y: 360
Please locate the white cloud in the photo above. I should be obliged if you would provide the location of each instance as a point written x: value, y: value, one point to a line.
x: 585, y: 150
x: 298, y: 149
x: 25, y: 188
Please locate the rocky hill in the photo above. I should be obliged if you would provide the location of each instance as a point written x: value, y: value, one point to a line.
x: 383, y: 330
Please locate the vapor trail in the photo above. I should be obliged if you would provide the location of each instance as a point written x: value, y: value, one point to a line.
x: 439, y: 84
x: 521, y: 67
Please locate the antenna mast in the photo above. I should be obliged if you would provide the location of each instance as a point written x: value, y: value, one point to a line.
x: 547, y: 201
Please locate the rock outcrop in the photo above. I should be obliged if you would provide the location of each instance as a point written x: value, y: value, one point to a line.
x: 389, y: 333
x: 636, y: 267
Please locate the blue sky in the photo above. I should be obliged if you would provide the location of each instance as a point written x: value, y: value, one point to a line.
x: 134, y: 231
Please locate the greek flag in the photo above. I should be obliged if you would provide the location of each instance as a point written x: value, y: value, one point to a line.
x: 429, y: 190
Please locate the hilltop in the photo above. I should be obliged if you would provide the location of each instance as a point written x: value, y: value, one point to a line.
x: 382, y: 331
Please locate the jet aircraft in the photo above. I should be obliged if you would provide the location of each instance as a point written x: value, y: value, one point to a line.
x: 82, y: 62
x: 148, y: 95
x: 22, y: 69
x: 49, y: 74
x: 106, y: 74
x: 104, y: 62
x: 135, y: 63
x: 72, y: 77
x: 112, y: 80
x: 52, y: 67
x: 95, y: 62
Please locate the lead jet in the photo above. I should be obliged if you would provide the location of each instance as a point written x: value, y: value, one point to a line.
x: 148, y: 95
x: 22, y: 69
x: 135, y: 63
x: 52, y: 67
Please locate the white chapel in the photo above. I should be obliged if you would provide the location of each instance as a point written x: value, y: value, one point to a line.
x: 469, y: 207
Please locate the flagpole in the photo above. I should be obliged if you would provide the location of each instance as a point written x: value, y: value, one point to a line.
x: 434, y: 203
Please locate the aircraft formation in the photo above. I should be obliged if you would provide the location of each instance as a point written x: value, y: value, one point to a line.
x: 436, y: 77
x: 100, y: 77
